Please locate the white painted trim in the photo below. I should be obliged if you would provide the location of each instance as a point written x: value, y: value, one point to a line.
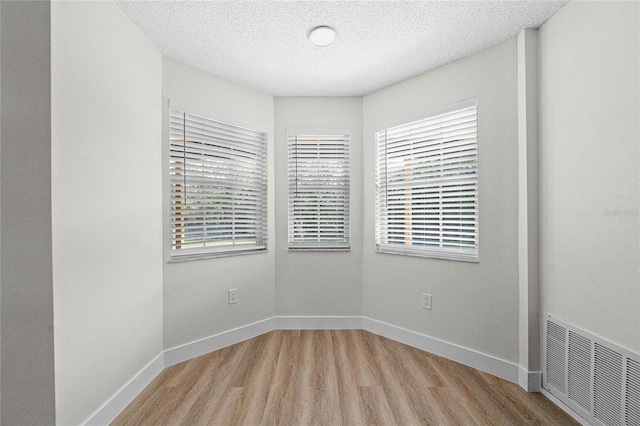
x: 127, y: 393
x: 564, y: 408
x: 319, y: 323
x: 498, y: 367
x: 218, y: 341
x: 531, y: 381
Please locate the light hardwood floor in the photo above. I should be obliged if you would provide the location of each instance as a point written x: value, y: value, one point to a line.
x: 332, y: 377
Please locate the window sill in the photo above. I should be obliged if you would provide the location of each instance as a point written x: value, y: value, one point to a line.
x: 431, y: 255
x: 207, y: 256
x: 339, y: 249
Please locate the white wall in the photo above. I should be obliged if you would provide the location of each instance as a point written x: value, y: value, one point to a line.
x: 318, y: 283
x: 118, y: 301
x: 106, y: 203
x: 475, y: 305
x: 195, y: 293
x: 589, y: 168
x: 26, y: 311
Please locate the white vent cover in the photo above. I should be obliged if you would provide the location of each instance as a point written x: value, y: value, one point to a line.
x: 632, y: 397
x: 597, y: 379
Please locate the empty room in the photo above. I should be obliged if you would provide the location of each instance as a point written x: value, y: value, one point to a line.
x: 320, y: 212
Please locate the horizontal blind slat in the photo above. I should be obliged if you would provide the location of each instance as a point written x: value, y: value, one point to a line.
x: 427, y: 186
x: 318, y: 180
x: 218, y: 174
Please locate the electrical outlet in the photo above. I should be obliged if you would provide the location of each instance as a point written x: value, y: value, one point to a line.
x: 426, y: 301
x: 233, y: 296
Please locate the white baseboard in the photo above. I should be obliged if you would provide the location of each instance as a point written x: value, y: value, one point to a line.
x: 530, y: 381
x: 218, y: 341
x: 498, y: 367
x: 123, y: 397
x: 319, y: 323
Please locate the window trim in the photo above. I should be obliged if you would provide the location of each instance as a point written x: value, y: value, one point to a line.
x: 318, y: 245
x: 261, y: 246
x: 459, y: 254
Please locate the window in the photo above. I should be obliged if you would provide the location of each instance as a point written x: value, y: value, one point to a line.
x: 318, y: 189
x: 427, y: 185
x: 218, y: 172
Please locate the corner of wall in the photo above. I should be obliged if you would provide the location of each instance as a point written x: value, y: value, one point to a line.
x: 528, y: 275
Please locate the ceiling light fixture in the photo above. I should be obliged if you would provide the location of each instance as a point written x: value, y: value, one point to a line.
x: 322, y: 36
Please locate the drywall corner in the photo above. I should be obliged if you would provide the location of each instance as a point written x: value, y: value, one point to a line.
x: 528, y: 283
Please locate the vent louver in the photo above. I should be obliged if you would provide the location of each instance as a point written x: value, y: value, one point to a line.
x: 556, y: 354
x: 579, y: 370
x: 632, y: 399
x: 607, y: 386
x: 597, y: 379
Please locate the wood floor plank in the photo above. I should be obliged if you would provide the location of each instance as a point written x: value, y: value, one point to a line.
x: 209, y: 403
x: 376, y: 406
x: 457, y: 412
x: 303, y: 403
x: 398, y: 387
x: 351, y: 403
x: 192, y: 384
x: 281, y: 394
x: 325, y: 381
x: 260, y: 381
x: 332, y: 377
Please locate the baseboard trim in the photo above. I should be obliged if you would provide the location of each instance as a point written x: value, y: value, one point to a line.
x: 563, y: 407
x: 127, y: 393
x: 531, y: 381
x: 319, y: 323
x: 498, y: 367
x: 218, y: 341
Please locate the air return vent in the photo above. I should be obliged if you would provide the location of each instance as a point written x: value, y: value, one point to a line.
x: 579, y: 374
x: 556, y: 356
x: 597, y: 379
x: 632, y: 398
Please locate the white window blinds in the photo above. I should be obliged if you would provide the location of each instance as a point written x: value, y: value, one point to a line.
x: 427, y: 185
x: 218, y: 173
x: 318, y: 189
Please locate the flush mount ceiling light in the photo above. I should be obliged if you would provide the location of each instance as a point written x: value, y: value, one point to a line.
x: 322, y: 36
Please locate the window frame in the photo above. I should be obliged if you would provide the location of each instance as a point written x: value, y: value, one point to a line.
x: 235, y: 167
x: 340, y: 136
x: 421, y: 192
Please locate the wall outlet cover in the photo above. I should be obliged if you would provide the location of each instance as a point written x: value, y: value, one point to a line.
x: 426, y: 301
x: 233, y: 296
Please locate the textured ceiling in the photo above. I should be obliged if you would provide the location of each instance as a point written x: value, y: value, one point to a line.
x: 264, y: 45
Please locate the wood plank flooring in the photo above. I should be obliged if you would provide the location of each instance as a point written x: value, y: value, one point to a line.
x: 332, y: 377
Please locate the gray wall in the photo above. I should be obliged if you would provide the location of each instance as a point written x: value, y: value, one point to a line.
x: 475, y: 305
x: 106, y: 210
x: 589, y: 120
x: 195, y: 293
x: 26, y: 307
x: 318, y: 283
